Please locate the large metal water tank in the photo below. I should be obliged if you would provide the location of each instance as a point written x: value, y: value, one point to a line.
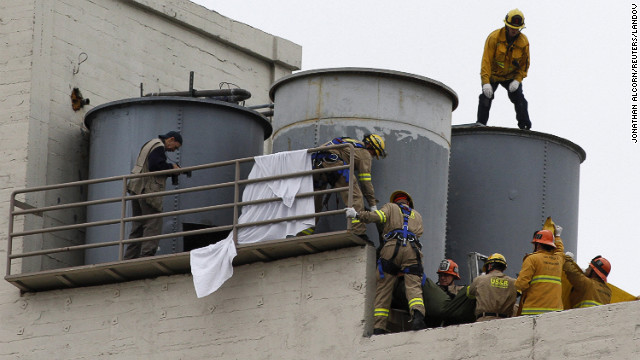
x: 212, y: 131
x: 503, y: 184
x: 411, y: 112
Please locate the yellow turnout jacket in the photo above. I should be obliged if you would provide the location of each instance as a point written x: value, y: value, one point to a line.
x: 540, y: 281
x: 586, y: 292
x: 501, y: 61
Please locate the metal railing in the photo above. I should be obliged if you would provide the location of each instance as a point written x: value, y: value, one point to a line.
x: 475, y: 267
x: 19, y: 208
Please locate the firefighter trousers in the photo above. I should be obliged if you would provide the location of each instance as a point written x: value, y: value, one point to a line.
x: 358, y: 228
x: 405, y: 257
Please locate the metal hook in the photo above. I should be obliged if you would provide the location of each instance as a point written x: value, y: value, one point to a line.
x: 76, y: 68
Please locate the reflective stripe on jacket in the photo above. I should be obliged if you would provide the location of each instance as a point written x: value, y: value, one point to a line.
x: 501, y: 62
x: 362, y: 165
x: 390, y: 215
x: 540, y: 281
x: 586, y: 292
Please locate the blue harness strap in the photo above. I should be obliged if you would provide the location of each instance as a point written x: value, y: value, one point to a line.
x: 320, y: 156
x: 344, y: 139
x: 345, y: 173
x: 415, y: 270
x: 403, y: 233
x: 380, y: 271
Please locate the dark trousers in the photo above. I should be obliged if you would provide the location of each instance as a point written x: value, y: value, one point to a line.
x: 517, y: 98
x: 143, y: 228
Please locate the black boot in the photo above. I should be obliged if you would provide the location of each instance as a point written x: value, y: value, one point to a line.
x: 417, y: 323
x: 378, y: 331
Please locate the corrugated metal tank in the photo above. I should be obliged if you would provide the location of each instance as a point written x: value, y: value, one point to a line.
x: 503, y: 184
x: 212, y: 131
x: 412, y: 113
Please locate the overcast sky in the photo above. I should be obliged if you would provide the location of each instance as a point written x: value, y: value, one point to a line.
x: 578, y: 87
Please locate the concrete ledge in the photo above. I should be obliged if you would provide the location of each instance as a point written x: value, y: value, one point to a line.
x: 604, y: 332
x: 178, y: 263
x: 233, y: 33
x: 309, y: 307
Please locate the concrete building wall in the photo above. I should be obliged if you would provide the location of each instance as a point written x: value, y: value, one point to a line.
x: 310, y: 307
x: 106, y: 49
x: 290, y: 309
x: 16, y: 35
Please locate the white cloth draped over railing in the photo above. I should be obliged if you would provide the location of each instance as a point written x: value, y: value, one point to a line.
x: 211, y: 266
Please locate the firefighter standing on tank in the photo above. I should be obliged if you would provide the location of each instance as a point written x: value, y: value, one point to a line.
x: 505, y: 61
x: 364, y: 151
x: 401, y: 255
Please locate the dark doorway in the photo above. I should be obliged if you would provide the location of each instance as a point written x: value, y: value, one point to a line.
x: 201, y: 240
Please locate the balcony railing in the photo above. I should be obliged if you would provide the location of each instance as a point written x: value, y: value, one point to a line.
x: 124, y: 270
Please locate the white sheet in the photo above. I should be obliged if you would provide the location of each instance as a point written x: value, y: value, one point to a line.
x: 211, y: 266
x: 272, y: 165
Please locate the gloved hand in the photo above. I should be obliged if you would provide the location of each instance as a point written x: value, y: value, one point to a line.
x: 351, y: 212
x: 487, y: 90
x: 513, y: 86
x: 558, y: 229
x: 570, y: 254
x: 373, y: 208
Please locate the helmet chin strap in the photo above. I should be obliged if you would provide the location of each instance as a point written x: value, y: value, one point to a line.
x: 510, y: 38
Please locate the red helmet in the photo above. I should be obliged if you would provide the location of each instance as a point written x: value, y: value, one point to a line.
x: 543, y: 237
x: 448, y: 266
x: 601, y: 266
x: 401, y: 194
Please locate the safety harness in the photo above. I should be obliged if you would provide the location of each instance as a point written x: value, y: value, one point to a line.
x: 402, y: 236
x: 322, y: 156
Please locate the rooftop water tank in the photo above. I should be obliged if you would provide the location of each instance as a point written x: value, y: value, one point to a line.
x: 212, y: 131
x: 503, y: 184
x: 411, y: 112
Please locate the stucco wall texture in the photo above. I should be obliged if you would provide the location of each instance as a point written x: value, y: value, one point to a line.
x: 310, y: 307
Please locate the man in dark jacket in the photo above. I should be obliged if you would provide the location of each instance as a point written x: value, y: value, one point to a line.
x: 152, y: 157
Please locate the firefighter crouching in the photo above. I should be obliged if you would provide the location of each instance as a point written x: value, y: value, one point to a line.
x: 495, y: 292
x: 400, y: 255
x: 448, y: 273
x: 589, y: 287
x: 363, y: 153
